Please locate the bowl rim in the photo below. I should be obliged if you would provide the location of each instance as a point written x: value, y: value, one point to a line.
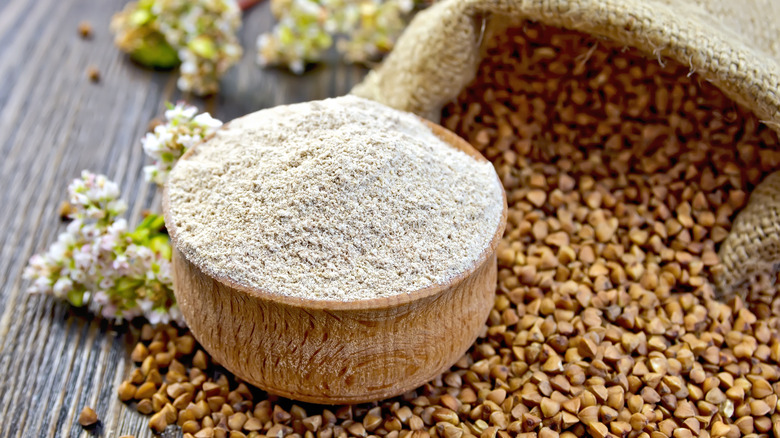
x: 376, y: 303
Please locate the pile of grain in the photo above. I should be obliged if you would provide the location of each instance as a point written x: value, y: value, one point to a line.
x: 342, y: 199
x: 622, y: 177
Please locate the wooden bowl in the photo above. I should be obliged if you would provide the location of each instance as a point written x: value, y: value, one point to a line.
x: 332, y: 352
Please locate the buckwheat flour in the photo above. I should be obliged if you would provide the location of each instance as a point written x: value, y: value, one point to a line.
x: 342, y: 199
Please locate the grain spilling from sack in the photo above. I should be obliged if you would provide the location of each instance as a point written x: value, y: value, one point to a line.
x: 622, y: 176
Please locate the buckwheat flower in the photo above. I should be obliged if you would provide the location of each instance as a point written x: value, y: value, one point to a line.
x: 62, y: 286
x: 164, y: 273
x: 175, y: 314
x: 121, y: 264
x: 205, y: 121
x: 36, y: 264
x: 78, y: 276
x: 378, y: 26
x: 151, y: 173
x: 157, y: 318
x: 183, y: 129
x: 198, y: 34
x: 145, y: 305
x: 42, y: 285
x: 101, y: 298
x: 106, y: 283
x: 180, y: 112
x: 109, y: 311
x: 99, y: 263
x: 306, y: 29
x: 299, y: 36
x: 83, y: 257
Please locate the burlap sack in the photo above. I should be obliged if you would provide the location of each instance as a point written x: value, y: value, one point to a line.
x: 733, y: 43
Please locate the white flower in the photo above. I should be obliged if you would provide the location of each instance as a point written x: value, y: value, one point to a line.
x: 41, y: 285
x: 116, y: 207
x: 101, y: 297
x: 202, y: 32
x: 121, y: 263
x: 96, y: 261
x: 145, y: 305
x: 62, y: 286
x: 156, y: 317
x: 59, y: 249
x: 83, y: 257
x: 206, y: 121
x: 165, y: 134
x: 184, y: 83
x: 150, y: 173
x: 233, y: 50
x: 78, y: 276
x: 107, y: 283
x: 119, y: 226
x: 90, y: 230
x: 109, y: 311
x: 110, y: 190
x: 263, y: 40
x: 180, y: 111
x: 176, y: 315
x: 72, y: 229
x: 37, y: 266
x: 151, y: 143
x: 187, y: 141
x: 79, y: 199
x: 188, y: 67
x: 184, y: 128
x: 296, y: 66
x: 405, y: 6
x: 141, y: 252
x: 306, y: 29
x: 164, y: 272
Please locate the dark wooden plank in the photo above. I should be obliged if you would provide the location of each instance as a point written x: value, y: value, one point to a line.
x: 53, y: 124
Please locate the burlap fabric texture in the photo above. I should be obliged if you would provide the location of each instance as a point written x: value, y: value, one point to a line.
x: 733, y: 43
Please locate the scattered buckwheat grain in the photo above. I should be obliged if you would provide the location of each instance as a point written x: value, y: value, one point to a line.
x: 85, y: 30
x: 93, y: 73
x: 87, y: 417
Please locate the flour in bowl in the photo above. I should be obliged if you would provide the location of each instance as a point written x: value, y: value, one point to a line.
x: 341, y: 199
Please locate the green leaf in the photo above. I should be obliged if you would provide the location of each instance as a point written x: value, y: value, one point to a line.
x: 76, y: 297
x: 139, y: 237
x: 203, y: 46
x: 146, y: 4
x: 139, y: 17
x: 286, y: 36
x: 126, y: 284
x: 155, y: 52
x: 156, y: 222
x: 153, y: 223
x: 323, y: 40
x: 161, y: 244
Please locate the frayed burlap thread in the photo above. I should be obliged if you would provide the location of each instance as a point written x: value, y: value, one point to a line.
x: 753, y: 245
x: 733, y: 44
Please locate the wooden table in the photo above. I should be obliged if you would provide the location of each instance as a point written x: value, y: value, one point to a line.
x: 54, y: 122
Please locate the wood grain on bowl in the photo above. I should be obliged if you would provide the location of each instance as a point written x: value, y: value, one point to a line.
x: 334, y: 355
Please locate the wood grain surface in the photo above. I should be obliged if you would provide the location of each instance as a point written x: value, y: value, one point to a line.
x: 54, y: 122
